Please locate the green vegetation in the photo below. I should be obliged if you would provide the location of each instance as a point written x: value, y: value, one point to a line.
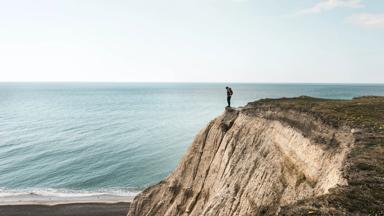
x: 363, y: 112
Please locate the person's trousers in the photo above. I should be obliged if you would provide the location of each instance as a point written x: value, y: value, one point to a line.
x: 229, y: 100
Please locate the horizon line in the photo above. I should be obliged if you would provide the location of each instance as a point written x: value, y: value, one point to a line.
x: 191, y: 82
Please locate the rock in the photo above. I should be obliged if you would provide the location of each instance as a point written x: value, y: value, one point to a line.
x: 264, y: 159
x: 356, y: 131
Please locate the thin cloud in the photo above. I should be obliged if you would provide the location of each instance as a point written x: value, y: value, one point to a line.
x: 368, y: 20
x: 327, y: 5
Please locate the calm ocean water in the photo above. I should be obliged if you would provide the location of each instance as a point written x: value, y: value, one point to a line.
x: 75, y: 139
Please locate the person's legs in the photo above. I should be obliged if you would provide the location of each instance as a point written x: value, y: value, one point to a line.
x: 229, y: 101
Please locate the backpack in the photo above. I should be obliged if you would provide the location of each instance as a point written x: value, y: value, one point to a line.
x: 230, y: 92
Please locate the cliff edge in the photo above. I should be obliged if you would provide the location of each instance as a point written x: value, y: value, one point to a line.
x: 296, y: 156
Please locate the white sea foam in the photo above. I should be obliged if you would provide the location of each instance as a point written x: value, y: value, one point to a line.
x: 50, y: 196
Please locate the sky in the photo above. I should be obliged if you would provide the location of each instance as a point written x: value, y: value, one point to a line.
x: 309, y: 41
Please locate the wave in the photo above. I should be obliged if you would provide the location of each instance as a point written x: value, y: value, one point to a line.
x: 59, y: 196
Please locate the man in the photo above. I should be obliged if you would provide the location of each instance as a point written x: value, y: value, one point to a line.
x: 229, y: 95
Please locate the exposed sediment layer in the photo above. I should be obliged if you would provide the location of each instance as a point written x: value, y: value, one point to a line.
x: 262, y: 159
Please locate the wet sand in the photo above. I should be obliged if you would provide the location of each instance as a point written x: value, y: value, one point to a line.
x: 73, y: 209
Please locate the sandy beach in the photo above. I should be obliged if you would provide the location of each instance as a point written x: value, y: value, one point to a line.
x: 70, y: 209
x: 35, y: 205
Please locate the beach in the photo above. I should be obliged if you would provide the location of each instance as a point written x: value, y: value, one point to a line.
x: 65, y: 205
x: 69, y: 209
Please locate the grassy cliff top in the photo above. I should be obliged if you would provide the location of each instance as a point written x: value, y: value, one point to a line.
x: 362, y: 112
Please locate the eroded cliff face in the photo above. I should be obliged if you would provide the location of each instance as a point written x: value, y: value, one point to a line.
x: 252, y: 161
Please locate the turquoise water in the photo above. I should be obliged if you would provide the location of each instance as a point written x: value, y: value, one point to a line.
x: 71, y: 138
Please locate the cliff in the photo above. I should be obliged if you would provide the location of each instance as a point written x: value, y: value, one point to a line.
x: 298, y: 156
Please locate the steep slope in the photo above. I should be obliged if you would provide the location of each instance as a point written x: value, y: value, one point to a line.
x: 270, y: 157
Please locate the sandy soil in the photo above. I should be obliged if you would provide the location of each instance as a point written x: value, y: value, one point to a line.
x: 73, y: 209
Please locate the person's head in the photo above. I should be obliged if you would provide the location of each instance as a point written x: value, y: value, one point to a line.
x: 226, y: 87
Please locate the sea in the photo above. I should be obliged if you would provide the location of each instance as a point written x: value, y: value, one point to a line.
x: 84, y: 141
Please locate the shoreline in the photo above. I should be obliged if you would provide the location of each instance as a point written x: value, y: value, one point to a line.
x: 67, y: 209
x: 68, y: 202
x: 57, y: 197
x: 35, y: 205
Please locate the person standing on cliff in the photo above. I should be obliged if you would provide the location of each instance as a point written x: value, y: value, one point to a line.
x: 229, y: 95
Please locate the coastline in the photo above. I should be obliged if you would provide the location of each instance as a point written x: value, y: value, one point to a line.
x: 95, y: 204
x: 66, y: 209
x: 64, y: 201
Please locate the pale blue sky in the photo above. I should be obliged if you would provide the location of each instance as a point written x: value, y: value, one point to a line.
x: 192, y: 41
